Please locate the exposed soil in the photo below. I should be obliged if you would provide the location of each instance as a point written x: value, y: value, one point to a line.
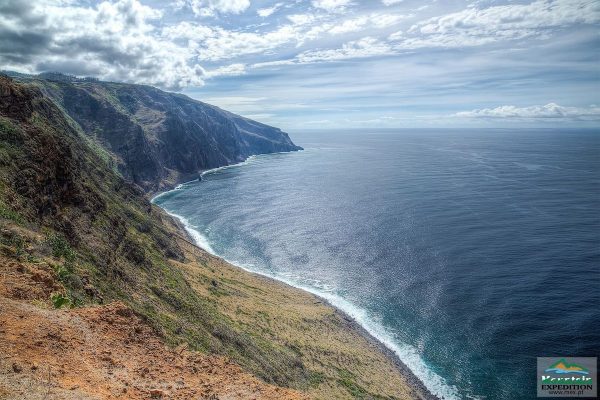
x: 103, y: 352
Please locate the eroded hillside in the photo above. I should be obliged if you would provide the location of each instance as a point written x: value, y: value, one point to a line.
x: 156, y: 138
x: 76, y: 237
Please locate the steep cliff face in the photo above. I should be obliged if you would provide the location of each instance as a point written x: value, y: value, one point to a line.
x: 75, y: 233
x: 158, y: 138
x: 63, y: 209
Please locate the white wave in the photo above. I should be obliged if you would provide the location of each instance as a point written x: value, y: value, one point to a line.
x: 247, y: 161
x: 178, y: 187
x: 405, y: 352
x: 213, y: 170
x: 183, y: 185
x: 200, y: 239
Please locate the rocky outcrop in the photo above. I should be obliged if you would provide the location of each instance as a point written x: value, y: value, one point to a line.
x: 158, y: 138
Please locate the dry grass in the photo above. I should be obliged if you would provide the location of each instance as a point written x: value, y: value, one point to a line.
x: 343, y: 363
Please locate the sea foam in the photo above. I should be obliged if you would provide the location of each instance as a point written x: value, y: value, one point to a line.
x: 406, y: 353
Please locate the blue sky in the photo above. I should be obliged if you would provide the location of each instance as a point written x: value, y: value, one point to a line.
x: 331, y: 63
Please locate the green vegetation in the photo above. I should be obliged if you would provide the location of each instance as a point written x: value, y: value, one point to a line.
x: 103, y: 241
x: 346, y: 379
x: 59, y: 300
x: 109, y: 243
x: 61, y: 248
x: 7, y: 213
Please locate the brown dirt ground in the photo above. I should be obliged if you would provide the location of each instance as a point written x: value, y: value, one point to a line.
x: 103, y: 352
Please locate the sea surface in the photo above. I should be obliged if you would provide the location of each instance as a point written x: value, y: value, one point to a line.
x: 467, y: 252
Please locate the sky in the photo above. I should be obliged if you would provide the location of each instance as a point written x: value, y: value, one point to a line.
x: 313, y: 64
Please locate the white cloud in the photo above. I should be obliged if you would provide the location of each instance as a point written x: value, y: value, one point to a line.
x: 331, y: 5
x: 391, y: 2
x: 350, y: 25
x: 301, y: 19
x: 230, y: 44
x: 396, y: 36
x: 210, y: 7
x: 187, y: 30
x: 240, y: 104
x: 473, y: 26
x: 550, y: 110
x: 260, y: 117
x: 365, y: 47
x: 374, y: 20
x: 268, y: 11
x: 216, y: 43
x: 113, y: 41
x: 276, y: 63
x: 387, y: 19
x: 227, y: 70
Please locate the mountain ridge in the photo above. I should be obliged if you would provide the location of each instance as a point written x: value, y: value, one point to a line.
x: 157, y: 139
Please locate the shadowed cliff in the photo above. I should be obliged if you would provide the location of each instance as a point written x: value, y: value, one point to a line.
x: 157, y: 139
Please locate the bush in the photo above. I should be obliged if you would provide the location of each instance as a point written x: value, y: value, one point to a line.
x: 61, y: 247
x: 62, y: 272
x: 7, y: 213
x: 59, y: 300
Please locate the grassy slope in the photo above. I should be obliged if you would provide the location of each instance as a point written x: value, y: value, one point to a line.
x: 107, y: 242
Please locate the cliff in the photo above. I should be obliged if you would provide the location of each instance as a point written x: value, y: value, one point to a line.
x: 101, y: 295
x: 99, y: 235
x: 155, y: 138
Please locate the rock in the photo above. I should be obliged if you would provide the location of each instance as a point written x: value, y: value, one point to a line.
x: 184, y: 135
x: 157, y: 393
x: 16, y: 368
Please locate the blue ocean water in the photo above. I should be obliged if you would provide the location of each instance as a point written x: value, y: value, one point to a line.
x: 468, y: 252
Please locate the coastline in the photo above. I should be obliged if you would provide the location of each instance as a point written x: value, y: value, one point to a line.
x: 193, y: 238
x: 351, y: 324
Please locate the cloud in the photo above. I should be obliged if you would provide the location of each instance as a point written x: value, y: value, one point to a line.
x: 268, y: 11
x: 343, y: 58
x: 474, y: 26
x: 213, y: 43
x: 228, y: 70
x: 261, y: 108
x: 216, y: 43
x: 372, y: 21
x: 391, y: 2
x: 550, y: 110
x: 331, y: 5
x: 205, y: 8
x: 239, y: 104
x: 113, y: 41
x: 365, y: 47
x: 301, y: 19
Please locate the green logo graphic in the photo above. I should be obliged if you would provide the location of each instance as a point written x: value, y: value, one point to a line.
x: 567, y: 377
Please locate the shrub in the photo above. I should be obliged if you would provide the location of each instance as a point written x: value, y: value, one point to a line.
x: 61, y: 247
x: 6, y: 212
x: 62, y: 272
x: 59, y: 300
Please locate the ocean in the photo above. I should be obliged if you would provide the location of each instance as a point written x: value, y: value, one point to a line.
x: 467, y: 252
